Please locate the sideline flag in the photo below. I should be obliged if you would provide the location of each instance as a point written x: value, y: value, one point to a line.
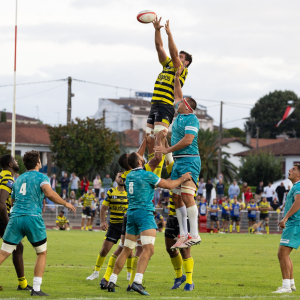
x: 288, y: 112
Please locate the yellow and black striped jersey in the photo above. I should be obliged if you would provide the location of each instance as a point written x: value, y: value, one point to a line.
x: 88, y: 199
x: 265, y: 205
x: 164, y: 84
x: 6, y: 183
x: 124, y: 175
x: 118, y: 203
x: 171, y: 206
x: 158, y: 169
x: 61, y: 220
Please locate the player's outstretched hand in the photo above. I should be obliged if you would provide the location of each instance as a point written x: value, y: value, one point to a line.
x: 167, y: 28
x: 156, y: 23
x: 187, y: 176
x: 161, y: 149
x: 104, y: 226
x: 70, y: 206
x: 281, y: 224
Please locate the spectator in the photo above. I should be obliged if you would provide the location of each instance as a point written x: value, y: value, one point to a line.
x: 269, y: 193
x: 53, y: 182
x: 259, y: 191
x: 214, y: 209
x: 107, y: 183
x: 160, y: 222
x: 84, y: 185
x: 203, y: 207
x: 73, y: 201
x: 248, y: 195
x: 208, y: 188
x: 97, y: 185
x: 101, y: 199
x: 198, y: 199
x: 220, y: 189
x: 244, y: 187
x: 65, y: 182
x: 233, y: 190
x: 61, y: 222
x: 280, y: 190
x: 115, y: 184
x: 275, y: 205
x: 201, y: 186
x: 74, y: 183
x: 166, y: 195
x: 64, y: 196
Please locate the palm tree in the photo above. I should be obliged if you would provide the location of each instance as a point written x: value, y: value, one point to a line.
x: 208, y: 143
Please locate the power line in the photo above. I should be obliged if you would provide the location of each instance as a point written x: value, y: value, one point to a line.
x: 36, y: 82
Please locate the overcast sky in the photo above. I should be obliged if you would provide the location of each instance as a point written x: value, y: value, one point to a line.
x: 241, y: 51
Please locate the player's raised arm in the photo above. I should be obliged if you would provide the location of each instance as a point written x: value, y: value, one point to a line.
x: 142, y: 148
x: 178, y: 95
x: 54, y: 197
x: 172, y: 47
x: 162, y: 55
x: 172, y: 184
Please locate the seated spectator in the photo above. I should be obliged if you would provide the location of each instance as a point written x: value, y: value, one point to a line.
x: 248, y: 195
x: 61, y: 222
x: 214, y: 209
x: 160, y: 222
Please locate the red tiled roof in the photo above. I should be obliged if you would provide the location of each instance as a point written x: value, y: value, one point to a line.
x: 20, y: 117
x: 285, y: 148
x: 265, y: 142
x: 25, y: 133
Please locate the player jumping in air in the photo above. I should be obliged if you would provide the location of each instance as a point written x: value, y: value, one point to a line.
x: 187, y: 159
x: 26, y: 216
x: 9, y: 166
x: 162, y: 103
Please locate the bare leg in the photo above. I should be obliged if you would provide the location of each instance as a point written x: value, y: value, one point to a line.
x: 40, y: 264
x: 286, y: 264
x: 3, y: 256
x: 17, y: 258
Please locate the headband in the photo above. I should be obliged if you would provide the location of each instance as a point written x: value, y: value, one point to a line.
x: 187, y: 105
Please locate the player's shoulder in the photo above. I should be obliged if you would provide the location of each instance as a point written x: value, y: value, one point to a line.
x: 110, y: 191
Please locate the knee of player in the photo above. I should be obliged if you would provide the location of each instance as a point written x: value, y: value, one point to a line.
x: 19, y: 249
x: 104, y: 251
x: 148, y: 249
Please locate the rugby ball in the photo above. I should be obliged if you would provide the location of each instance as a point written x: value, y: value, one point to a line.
x: 146, y: 16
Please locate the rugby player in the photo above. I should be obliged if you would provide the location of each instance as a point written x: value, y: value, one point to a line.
x: 26, y: 219
x: 235, y: 215
x: 87, y: 199
x: 290, y: 238
x: 162, y: 104
x: 186, y: 154
x: 116, y: 200
x: 9, y: 167
x: 61, y: 222
x: 225, y: 214
x: 264, y: 208
x: 252, y: 209
x: 140, y: 185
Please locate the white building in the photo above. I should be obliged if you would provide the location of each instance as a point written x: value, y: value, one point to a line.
x: 132, y: 113
x: 232, y: 146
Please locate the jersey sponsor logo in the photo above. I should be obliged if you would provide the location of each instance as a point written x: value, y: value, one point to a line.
x: 10, y: 183
x: 284, y: 241
x: 164, y: 77
x: 118, y: 208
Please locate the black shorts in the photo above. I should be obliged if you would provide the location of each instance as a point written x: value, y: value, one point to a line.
x: 172, y: 227
x: 159, y: 226
x: 214, y: 218
x: 2, y: 228
x: 252, y: 219
x: 225, y: 217
x: 124, y: 225
x: 235, y: 218
x: 87, y: 211
x: 263, y: 216
x: 93, y: 213
x: 114, y: 232
x: 161, y: 113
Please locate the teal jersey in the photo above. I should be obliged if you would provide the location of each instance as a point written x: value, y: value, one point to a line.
x: 185, y: 124
x: 290, y: 199
x: 28, y: 195
x: 140, y: 185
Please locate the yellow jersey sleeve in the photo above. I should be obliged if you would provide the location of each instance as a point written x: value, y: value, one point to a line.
x: 167, y: 61
x: 170, y: 167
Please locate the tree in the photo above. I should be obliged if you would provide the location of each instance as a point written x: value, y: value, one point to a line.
x: 83, y: 146
x: 260, y: 167
x: 4, y: 150
x: 21, y: 164
x: 208, y: 143
x: 269, y: 110
x: 234, y: 132
x: 3, y: 116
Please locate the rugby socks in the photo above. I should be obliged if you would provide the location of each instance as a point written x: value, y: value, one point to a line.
x: 110, y: 267
x: 128, y: 264
x: 238, y: 228
x: 230, y: 228
x: 138, y: 278
x: 267, y: 229
x: 249, y: 229
x: 99, y: 262
x: 113, y: 278
x: 22, y: 282
x: 181, y: 213
x: 286, y: 283
x: 292, y: 282
x: 133, y: 268
x: 37, y: 282
x: 192, y: 213
x: 177, y: 265
x: 188, y: 265
x: 226, y: 230
x: 82, y: 228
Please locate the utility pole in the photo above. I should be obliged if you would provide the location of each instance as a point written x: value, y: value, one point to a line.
x: 70, y: 95
x: 104, y: 116
x: 220, y: 139
x: 257, y: 136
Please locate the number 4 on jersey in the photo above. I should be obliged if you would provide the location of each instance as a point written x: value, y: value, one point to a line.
x: 23, y: 189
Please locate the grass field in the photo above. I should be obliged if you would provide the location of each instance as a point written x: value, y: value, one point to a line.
x: 226, y: 266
